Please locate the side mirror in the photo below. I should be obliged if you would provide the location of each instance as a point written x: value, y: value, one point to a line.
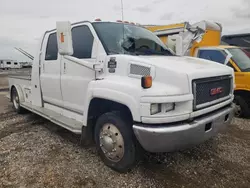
x: 228, y: 57
x: 171, y: 43
x: 64, y: 38
x: 174, y: 42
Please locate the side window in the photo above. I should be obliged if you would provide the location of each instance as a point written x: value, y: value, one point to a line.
x: 82, y: 42
x: 8, y: 63
x: 15, y: 63
x: 52, y: 49
x: 230, y: 65
x: 213, y: 55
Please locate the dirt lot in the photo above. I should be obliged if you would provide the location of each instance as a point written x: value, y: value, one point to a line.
x: 37, y: 153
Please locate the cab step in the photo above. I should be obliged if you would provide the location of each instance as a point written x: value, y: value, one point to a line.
x: 57, y: 118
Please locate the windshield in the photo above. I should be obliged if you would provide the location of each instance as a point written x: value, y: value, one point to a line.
x: 240, y: 58
x: 247, y: 51
x: 118, y: 38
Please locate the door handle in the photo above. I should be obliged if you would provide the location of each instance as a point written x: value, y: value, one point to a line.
x: 64, y: 67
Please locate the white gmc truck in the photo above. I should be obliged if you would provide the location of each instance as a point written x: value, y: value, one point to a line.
x: 120, y: 87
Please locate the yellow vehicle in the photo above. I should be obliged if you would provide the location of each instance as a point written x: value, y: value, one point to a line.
x: 203, y: 40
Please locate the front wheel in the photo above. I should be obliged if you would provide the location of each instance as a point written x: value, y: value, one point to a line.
x: 115, y: 142
x: 242, y: 107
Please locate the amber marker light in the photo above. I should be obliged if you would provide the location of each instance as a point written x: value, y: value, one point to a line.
x: 146, y: 82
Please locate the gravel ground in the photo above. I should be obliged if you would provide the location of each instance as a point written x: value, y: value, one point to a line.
x: 38, y: 153
x: 3, y: 80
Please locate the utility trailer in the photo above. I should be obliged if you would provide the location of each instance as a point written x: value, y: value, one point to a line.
x: 119, y: 86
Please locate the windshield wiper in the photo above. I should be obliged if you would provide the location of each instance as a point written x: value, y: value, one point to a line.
x: 154, y: 52
x: 111, y: 52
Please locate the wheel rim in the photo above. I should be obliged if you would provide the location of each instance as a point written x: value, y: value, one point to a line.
x: 15, y: 99
x: 111, y: 142
x: 237, y: 110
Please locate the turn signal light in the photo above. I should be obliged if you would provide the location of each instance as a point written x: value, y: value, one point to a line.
x: 146, y: 82
x: 62, y: 38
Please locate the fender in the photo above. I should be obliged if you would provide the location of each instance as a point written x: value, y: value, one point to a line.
x: 113, y: 95
x: 19, y: 91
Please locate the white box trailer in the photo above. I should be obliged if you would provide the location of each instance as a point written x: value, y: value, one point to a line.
x: 16, y: 65
x: 9, y: 64
x: 6, y: 64
x: 1, y: 64
x: 120, y: 87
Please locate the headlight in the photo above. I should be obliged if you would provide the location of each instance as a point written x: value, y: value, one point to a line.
x: 155, y: 108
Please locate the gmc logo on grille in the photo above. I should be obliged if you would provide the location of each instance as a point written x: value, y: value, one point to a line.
x: 216, y: 91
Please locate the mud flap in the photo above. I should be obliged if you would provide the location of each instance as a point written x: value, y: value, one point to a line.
x: 87, y: 138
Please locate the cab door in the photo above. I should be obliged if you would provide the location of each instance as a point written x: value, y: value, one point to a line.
x: 51, y: 72
x: 75, y: 78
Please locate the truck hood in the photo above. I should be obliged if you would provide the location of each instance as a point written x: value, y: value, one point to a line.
x: 172, y: 75
x: 180, y: 71
x: 193, y: 67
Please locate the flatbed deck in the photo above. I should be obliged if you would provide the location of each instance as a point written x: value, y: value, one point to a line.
x: 24, y: 74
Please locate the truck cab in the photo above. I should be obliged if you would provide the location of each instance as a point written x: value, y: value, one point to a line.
x: 120, y: 87
x: 238, y: 60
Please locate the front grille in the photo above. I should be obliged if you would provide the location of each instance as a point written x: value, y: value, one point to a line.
x: 209, y: 90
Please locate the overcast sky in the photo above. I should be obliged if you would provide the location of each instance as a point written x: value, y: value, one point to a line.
x: 22, y: 22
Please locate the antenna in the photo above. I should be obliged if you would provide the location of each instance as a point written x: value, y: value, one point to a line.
x: 25, y: 53
x: 122, y: 10
x: 123, y: 29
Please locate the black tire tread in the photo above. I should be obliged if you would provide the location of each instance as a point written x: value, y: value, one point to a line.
x: 19, y: 110
x: 245, y: 106
x: 125, y: 127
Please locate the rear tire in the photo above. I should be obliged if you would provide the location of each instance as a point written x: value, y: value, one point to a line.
x: 242, y: 107
x: 16, y: 101
x: 115, y: 142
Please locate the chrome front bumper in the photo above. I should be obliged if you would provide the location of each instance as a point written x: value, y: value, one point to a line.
x: 176, y: 136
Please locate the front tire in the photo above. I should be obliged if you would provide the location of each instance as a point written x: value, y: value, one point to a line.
x: 115, y: 141
x: 242, y: 107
